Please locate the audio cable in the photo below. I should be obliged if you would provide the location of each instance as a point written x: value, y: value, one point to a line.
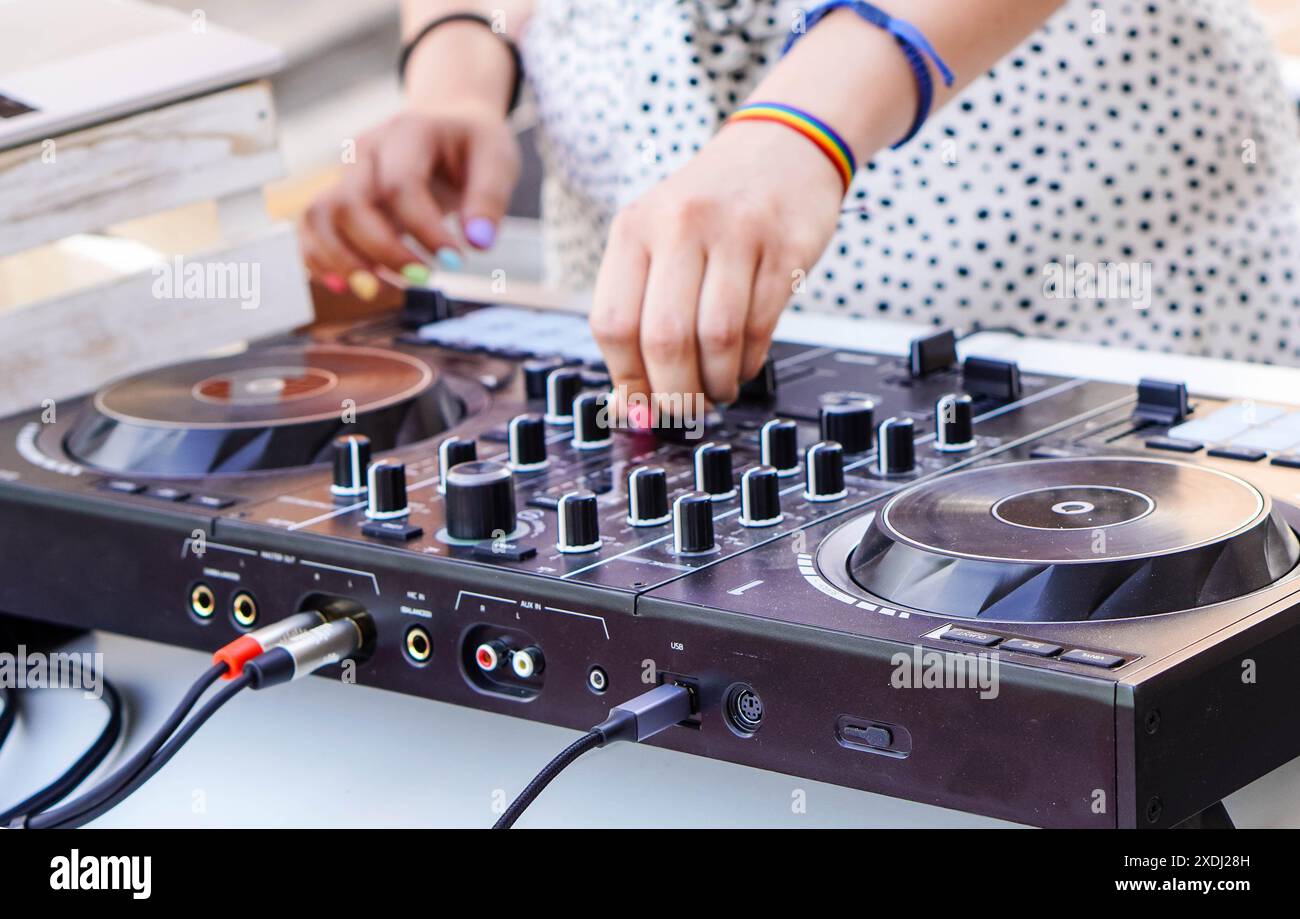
x: 278, y: 653
x: 636, y: 720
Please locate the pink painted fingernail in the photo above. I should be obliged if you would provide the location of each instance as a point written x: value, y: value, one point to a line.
x: 334, y: 283
x: 481, y: 233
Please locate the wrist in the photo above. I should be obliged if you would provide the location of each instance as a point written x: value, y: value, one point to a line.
x: 463, y: 67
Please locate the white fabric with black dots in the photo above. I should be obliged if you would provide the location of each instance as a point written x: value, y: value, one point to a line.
x: 1166, y: 139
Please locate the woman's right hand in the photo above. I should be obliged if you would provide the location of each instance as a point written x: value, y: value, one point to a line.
x: 409, y: 172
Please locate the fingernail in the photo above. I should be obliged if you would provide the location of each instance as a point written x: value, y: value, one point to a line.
x: 638, y: 416
x: 364, y: 284
x: 416, y: 273
x: 450, y: 258
x: 334, y: 283
x: 481, y: 232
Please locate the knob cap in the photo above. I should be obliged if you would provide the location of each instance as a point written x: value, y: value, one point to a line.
x: 480, y: 500
x: 647, y: 497
x: 562, y: 387
x: 527, y: 436
x: 760, y: 497
x: 387, y: 485
x: 954, y: 423
x: 452, y: 452
x: 351, y: 457
x: 896, y: 453
x: 848, y: 424
x: 778, y: 446
x: 693, y: 524
x: 713, y: 471
x: 536, y: 370
x: 591, y: 421
x: 579, y: 522
x: 762, y: 388
x: 824, y: 472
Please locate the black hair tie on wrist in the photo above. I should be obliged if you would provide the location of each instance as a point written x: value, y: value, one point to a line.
x: 410, y: 46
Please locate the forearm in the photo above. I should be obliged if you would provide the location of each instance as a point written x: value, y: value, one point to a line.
x: 461, y: 64
x: 855, y: 77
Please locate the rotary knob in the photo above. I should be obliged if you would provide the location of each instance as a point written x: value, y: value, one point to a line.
x: 591, y: 421
x: 562, y: 387
x: 848, y: 424
x: 824, y: 472
x: 896, y: 453
x: 778, y: 446
x: 351, y: 457
x: 647, y: 497
x: 536, y: 370
x: 386, y: 481
x: 451, y: 452
x: 527, y: 439
x: 693, y: 524
x: 760, y: 497
x: 578, y: 518
x: 713, y: 471
x: 954, y: 423
x: 480, y: 501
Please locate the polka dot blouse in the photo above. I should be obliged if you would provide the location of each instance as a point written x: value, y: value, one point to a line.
x: 1153, y: 135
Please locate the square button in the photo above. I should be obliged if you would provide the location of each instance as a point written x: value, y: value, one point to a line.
x: 1092, y: 658
x: 971, y: 637
x: 1026, y: 646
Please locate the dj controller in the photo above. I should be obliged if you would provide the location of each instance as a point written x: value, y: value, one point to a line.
x: 1047, y: 599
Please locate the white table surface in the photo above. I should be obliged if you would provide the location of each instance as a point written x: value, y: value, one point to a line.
x: 318, y: 753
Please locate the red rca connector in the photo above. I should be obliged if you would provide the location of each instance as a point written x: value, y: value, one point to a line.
x: 246, y: 647
x: 489, y: 655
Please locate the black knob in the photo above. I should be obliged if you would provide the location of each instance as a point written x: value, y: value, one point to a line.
x: 423, y: 305
x: 562, y: 387
x: 536, y: 370
x: 848, y: 424
x: 990, y: 376
x: 647, y: 496
x: 778, y: 446
x: 693, y: 524
x: 896, y: 453
x: 578, y: 518
x: 386, y: 480
x: 954, y: 423
x: 762, y: 388
x: 760, y: 497
x: 713, y: 471
x: 351, y: 457
x: 824, y: 472
x: 451, y: 452
x: 932, y: 353
x: 527, y: 437
x: 480, y: 500
x: 591, y: 421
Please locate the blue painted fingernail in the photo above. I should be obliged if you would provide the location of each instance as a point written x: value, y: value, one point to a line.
x: 481, y: 232
x: 450, y: 259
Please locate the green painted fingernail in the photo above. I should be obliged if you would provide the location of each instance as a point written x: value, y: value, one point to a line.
x: 416, y: 273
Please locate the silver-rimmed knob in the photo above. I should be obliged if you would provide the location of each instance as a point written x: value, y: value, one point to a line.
x: 591, y: 421
x: 351, y: 459
x: 647, y: 497
x: 452, y: 452
x: 526, y: 435
x: 849, y: 424
x: 386, y: 481
x: 760, y: 497
x: 895, y: 448
x: 954, y: 423
x: 713, y: 474
x: 693, y: 524
x: 778, y: 446
x: 562, y: 387
x: 824, y: 472
x: 578, y: 519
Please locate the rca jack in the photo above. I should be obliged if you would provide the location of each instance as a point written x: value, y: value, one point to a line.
x: 527, y: 663
x: 203, y: 602
x: 243, y: 609
x: 489, y: 655
x: 597, y: 680
x: 419, y: 646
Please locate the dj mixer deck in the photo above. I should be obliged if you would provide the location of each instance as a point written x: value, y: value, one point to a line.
x: 1020, y: 595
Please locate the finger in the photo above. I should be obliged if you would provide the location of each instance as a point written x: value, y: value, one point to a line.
x: 492, y: 169
x: 668, y: 341
x: 616, y: 315
x: 773, y: 287
x: 404, y: 186
x: 724, y: 307
x: 372, y: 233
x: 324, y: 246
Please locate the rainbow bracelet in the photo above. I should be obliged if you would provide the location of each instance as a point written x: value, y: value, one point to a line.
x: 810, y: 126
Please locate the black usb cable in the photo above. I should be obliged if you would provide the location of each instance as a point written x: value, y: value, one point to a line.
x: 635, y: 720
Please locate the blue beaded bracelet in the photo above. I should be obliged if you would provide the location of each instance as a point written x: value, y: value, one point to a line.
x: 915, y: 47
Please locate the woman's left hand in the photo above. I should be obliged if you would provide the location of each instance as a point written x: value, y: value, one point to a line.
x: 697, y: 271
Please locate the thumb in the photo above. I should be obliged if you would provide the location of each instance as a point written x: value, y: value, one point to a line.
x: 492, y: 169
